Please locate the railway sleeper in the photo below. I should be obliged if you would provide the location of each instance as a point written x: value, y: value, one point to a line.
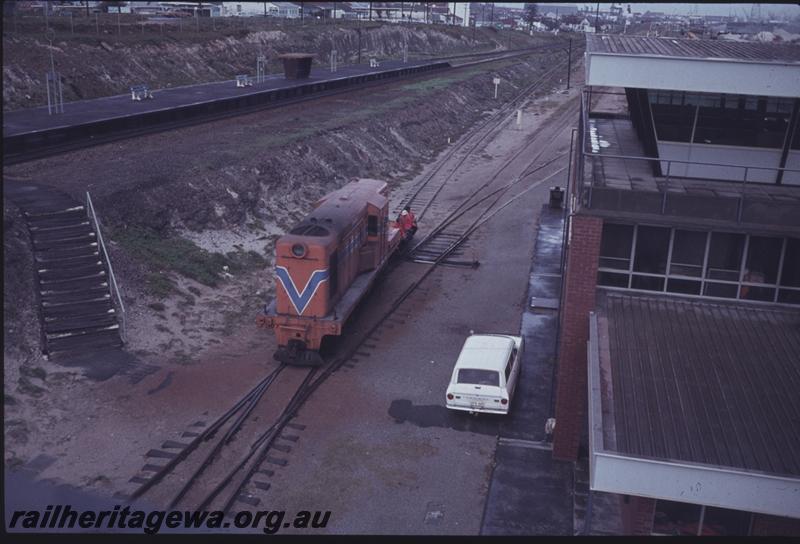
x: 174, y: 445
x: 68, y: 324
x: 248, y: 499
x: 264, y: 486
x: 43, y: 203
x: 66, y: 235
x: 67, y: 266
x: 76, y: 310
x: 70, y: 262
x: 95, y: 340
x: 59, y: 226
x: 76, y: 332
x: 56, y: 255
x: 81, y: 299
x: 55, y: 222
x: 77, y: 211
x: 88, y: 295
x: 54, y: 276
x: 44, y: 245
x: 68, y: 285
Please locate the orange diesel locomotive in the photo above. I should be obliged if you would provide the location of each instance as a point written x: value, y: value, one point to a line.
x: 325, y: 265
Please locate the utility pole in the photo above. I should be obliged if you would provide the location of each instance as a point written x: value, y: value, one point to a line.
x: 370, y: 11
x: 597, y: 20
x: 491, y: 22
x: 569, y: 61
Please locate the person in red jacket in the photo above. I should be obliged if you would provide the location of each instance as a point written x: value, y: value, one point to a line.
x: 412, y: 220
x: 407, y: 224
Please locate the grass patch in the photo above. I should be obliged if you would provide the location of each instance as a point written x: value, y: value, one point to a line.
x: 24, y: 385
x: 33, y: 372
x: 245, y: 260
x: 159, y: 285
x: 171, y: 253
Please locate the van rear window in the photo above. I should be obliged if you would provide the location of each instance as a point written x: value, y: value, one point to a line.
x: 478, y: 376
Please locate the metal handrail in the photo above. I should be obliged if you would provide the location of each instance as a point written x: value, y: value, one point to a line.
x: 115, y: 288
x: 586, y: 153
x: 670, y: 161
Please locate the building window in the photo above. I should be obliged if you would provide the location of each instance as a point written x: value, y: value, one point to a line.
x: 678, y: 518
x: 688, y: 252
x: 725, y: 256
x: 615, y: 246
x: 790, y: 274
x: 720, y: 119
x: 696, y: 263
x: 652, y: 246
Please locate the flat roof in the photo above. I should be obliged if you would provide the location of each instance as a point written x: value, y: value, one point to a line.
x: 711, y: 66
x: 689, y: 48
x: 706, y: 395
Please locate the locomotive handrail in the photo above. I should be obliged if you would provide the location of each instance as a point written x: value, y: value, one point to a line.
x: 115, y: 288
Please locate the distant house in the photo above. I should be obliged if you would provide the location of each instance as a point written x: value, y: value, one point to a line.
x: 287, y: 10
x: 249, y: 9
x: 200, y: 9
x: 558, y: 9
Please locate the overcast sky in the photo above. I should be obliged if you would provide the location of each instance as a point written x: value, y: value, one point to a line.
x: 702, y: 8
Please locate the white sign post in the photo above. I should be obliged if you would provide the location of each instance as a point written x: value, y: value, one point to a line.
x: 496, y: 82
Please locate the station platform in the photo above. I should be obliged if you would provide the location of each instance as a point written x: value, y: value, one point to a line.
x: 31, y: 131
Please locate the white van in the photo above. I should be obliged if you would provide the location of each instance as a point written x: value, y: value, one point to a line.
x: 486, y: 374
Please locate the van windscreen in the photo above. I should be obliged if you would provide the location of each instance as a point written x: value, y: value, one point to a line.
x: 478, y: 376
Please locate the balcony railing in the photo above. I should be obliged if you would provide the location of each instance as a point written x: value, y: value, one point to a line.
x: 585, y: 184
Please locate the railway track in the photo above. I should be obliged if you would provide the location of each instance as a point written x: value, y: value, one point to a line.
x: 452, y: 232
x: 425, y: 192
x: 228, y: 466
x: 226, y: 463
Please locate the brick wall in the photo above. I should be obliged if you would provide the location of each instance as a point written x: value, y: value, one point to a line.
x: 579, y: 296
x: 764, y: 525
x: 637, y: 515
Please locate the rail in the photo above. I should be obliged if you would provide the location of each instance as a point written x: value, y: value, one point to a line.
x: 114, y: 287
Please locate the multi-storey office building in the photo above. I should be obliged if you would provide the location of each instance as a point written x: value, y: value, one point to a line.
x: 680, y: 328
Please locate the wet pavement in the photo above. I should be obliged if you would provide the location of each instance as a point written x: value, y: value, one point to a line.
x: 530, y: 493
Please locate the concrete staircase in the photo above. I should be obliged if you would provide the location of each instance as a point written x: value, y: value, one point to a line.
x: 76, y: 306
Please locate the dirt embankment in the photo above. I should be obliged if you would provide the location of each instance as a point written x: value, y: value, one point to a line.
x: 190, y: 215
x: 92, y: 66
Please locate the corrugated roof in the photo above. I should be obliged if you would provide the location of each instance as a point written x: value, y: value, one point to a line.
x: 687, y: 48
x: 714, y: 383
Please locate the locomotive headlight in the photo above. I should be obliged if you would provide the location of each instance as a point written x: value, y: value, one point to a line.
x: 299, y: 250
